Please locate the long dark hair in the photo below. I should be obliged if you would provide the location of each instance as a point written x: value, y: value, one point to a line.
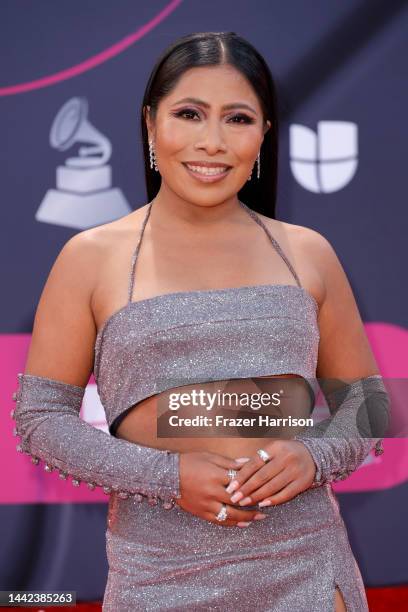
x: 211, y: 49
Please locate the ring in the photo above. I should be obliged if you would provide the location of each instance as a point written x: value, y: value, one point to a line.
x: 263, y: 455
x: 232, y: 474
x: 222, y: 515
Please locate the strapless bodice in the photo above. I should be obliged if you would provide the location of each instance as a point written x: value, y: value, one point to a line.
x: 162, y: 342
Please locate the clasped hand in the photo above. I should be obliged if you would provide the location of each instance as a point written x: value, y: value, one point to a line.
x: 289, y: 471
x: 205, y: 484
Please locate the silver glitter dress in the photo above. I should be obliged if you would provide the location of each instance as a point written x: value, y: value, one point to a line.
x: 161, y: 557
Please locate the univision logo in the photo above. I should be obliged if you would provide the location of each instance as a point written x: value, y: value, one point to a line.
x: 325, y: 161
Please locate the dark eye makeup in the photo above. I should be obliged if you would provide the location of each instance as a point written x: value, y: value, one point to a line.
x: 191, y: 111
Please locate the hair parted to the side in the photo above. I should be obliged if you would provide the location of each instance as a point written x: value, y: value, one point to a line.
x: 211, y: 49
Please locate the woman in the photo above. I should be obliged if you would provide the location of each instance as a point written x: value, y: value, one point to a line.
x: 222, y: 292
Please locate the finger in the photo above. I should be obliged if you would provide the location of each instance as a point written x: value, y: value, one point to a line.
x: 291, y: 490
x: 222, y: 496
x: 234, y: 515
x: 224, y: 475
x: 261, y: 477
x: 226, y: 462
x: 250, y: 467
x: 247, y: 470
x: 271, y: 487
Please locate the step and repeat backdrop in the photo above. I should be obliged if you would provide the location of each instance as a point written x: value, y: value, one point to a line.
x: 73, y: 76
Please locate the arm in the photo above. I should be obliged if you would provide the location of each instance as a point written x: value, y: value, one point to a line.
x: 359, y: 417
x: 348, y: 375
x: 49, y: 395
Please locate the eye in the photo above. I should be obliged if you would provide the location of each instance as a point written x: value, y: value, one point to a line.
x: 245, y: 118
x: 239, y: 118
x: 185, y: 111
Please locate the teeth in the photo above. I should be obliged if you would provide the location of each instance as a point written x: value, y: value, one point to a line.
x: 207, y: 171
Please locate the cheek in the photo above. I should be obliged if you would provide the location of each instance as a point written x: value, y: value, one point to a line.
x: 174, y: 136
x: 246, y: 146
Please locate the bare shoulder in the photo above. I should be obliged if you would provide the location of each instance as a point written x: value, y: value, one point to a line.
x: 91, y: 249
x: 298, y: 236
x: 105, y: 235
x: 344, y: 349
x: 112, y: 245
x: 308, y: 250
x: 311, y: 244
x: 64, y: 330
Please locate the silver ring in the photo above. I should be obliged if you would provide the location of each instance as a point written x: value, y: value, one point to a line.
x: 222, y: 515
x: 263, y: 455
x: 232, y: 474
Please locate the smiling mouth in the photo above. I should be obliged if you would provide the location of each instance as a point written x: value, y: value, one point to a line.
x: 207, y: 171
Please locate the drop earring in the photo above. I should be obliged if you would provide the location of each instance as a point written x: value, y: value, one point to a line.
x: 152, y: 156
x: 258, y: 162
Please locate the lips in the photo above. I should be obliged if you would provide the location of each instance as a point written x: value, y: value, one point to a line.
x: 207, y: 174
x: 206, y: 170
x: 206, y: 164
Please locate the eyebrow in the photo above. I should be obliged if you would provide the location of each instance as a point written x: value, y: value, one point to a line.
x: 225, y: 107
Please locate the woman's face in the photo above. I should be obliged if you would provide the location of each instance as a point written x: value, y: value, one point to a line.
x: 204, y: 129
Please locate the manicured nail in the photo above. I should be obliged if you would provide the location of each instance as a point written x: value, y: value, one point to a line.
x: 242, y: 459
x: 245, y: 502
x: 237, y: 496
x: 243, y: 524
x: 234, y: 484
x: 265, y: 503
x: 259, y: 516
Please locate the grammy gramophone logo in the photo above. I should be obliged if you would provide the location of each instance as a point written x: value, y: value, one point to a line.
x: 84, y: 196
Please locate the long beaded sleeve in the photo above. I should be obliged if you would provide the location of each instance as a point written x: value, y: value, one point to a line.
x: 48, y: 422
x: 339, y: 444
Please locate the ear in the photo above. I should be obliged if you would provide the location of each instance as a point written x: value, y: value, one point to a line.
x: 146, y: 113
x: 268, y: 125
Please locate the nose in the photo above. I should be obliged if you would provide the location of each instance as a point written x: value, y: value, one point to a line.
x: 212, y: 138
